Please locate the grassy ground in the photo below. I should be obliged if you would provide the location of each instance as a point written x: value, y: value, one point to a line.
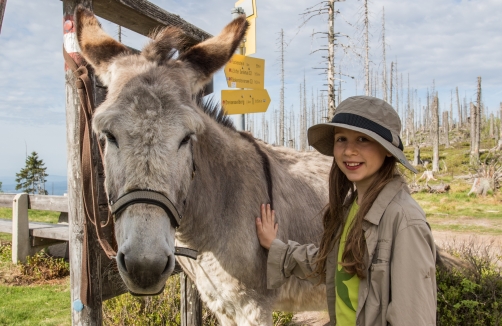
x: 35, y: 305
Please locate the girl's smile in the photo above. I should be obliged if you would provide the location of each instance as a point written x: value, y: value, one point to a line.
x: 358, y: 156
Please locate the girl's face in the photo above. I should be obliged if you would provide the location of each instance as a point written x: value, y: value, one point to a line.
x: 358, y: 156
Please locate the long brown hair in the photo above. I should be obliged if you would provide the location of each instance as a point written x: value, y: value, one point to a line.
x: 334, y: 218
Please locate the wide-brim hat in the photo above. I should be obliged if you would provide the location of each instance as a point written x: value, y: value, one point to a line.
x: 365, y: 114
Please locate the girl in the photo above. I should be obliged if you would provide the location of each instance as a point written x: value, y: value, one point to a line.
x: 377, y: 254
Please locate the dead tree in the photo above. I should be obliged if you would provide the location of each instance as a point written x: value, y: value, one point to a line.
x: 390, y: 88
x: 446, y: 128
x: 474, y: 148
x: 3, y: 4
x: 491, y: 126
x: 281, y: 108
x: 435, y: 134
x: 460, y: 118
x: 478, y: 119
x: 367, y: 50
x: 384, y: 73
x: 322, y: 8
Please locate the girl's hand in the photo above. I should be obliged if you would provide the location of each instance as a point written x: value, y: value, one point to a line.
x: 266, y: 228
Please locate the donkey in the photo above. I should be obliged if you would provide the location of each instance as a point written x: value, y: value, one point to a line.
x: 160, y: 139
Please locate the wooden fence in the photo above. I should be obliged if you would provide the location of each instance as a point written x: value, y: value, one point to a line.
x: 30, y: 237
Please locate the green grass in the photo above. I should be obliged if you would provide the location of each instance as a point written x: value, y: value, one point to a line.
x: 33, y: 215
x: 35, y: 305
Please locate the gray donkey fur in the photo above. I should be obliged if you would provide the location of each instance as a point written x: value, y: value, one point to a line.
x: 155, y: 130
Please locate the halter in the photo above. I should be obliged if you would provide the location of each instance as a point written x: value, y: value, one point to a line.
x: 140, y: 196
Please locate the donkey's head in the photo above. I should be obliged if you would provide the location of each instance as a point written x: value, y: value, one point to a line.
x: 150, y: 121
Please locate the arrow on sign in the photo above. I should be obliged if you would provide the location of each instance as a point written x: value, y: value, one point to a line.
x: 245, y: 72
x: 245, y: 101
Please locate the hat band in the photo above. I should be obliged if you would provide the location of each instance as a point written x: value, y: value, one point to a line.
x: 361, y: 122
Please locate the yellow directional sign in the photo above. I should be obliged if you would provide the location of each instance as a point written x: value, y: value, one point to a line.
x: 245, y: 72
x: 245, y: 101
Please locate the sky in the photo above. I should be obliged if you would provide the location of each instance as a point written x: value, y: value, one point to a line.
x: 448, y: 43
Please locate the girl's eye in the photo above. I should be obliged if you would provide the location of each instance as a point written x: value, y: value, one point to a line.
x: 111, y: 138
x: 363, y: 139
x: 339, y: 139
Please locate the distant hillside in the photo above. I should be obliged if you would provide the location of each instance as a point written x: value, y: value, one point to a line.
x: 55, y: 185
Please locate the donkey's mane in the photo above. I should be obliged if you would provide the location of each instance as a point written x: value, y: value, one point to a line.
x: 213, y: 109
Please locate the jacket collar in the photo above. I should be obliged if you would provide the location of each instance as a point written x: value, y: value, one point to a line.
x: 383, y: 199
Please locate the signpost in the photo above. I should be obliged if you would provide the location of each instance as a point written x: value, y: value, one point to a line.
x: 245, y: 72
x: 249, y: 7
x: 245, y: 101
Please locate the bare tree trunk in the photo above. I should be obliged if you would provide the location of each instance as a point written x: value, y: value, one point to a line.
x: 397, y: 90
x: 491, y: 126
x: 331, y: 59
x: 474, y: 153
x: 450, y: 121
x: 391, y: 73
x: 499, y: 144
x: 478, y: 119
x: 435, y: 134
x: 367, y: 49
x: 460, y: 117
x: 281, y: 114
x: 446, y: 128
x: 384, y: 74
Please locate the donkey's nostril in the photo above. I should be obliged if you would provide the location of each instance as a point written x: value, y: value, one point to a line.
x: 121, y: 261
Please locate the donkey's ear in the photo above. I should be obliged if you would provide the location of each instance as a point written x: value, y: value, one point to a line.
x: 209, y: 56
x: 98, y: 48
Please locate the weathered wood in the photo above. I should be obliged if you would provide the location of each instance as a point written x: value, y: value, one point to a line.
x: 40, y: 202
x: 191, y: 305
x: 91, y: 314
x: 6, y: 200
x: 144, y: 17
x: 48, y: 203
x: 20, y: 229
x: 49, y: 231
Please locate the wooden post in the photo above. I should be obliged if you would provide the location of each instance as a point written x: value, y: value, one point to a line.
x: 191, y: 305
x: 89, y: 314
x: 20, y: 229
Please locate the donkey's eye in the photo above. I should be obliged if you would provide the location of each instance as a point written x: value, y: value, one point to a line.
x: 111, y: 138
x: 185, y: 140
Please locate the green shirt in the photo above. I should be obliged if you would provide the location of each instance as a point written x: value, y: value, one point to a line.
x: 347, y: 285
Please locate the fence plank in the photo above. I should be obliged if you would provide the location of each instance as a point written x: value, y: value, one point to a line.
x: 143, y: 17
x: 6, y: 200
x: 49, y: 203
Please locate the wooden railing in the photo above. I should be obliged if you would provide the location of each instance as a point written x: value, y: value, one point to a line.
x: 30, y: 237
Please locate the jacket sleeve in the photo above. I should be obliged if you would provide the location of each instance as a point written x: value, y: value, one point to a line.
x: 413, y: 277
x: 289, y: 259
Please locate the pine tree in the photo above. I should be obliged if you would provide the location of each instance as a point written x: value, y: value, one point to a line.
x: 31, y: 178
x: 1, y: 187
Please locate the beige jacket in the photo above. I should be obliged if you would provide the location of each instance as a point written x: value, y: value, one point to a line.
x: 400, y: 287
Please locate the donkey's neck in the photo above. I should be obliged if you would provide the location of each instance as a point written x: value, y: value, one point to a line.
x: 227, y: 190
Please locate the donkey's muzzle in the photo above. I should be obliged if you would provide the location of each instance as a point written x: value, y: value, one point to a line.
x: 145, y: 274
